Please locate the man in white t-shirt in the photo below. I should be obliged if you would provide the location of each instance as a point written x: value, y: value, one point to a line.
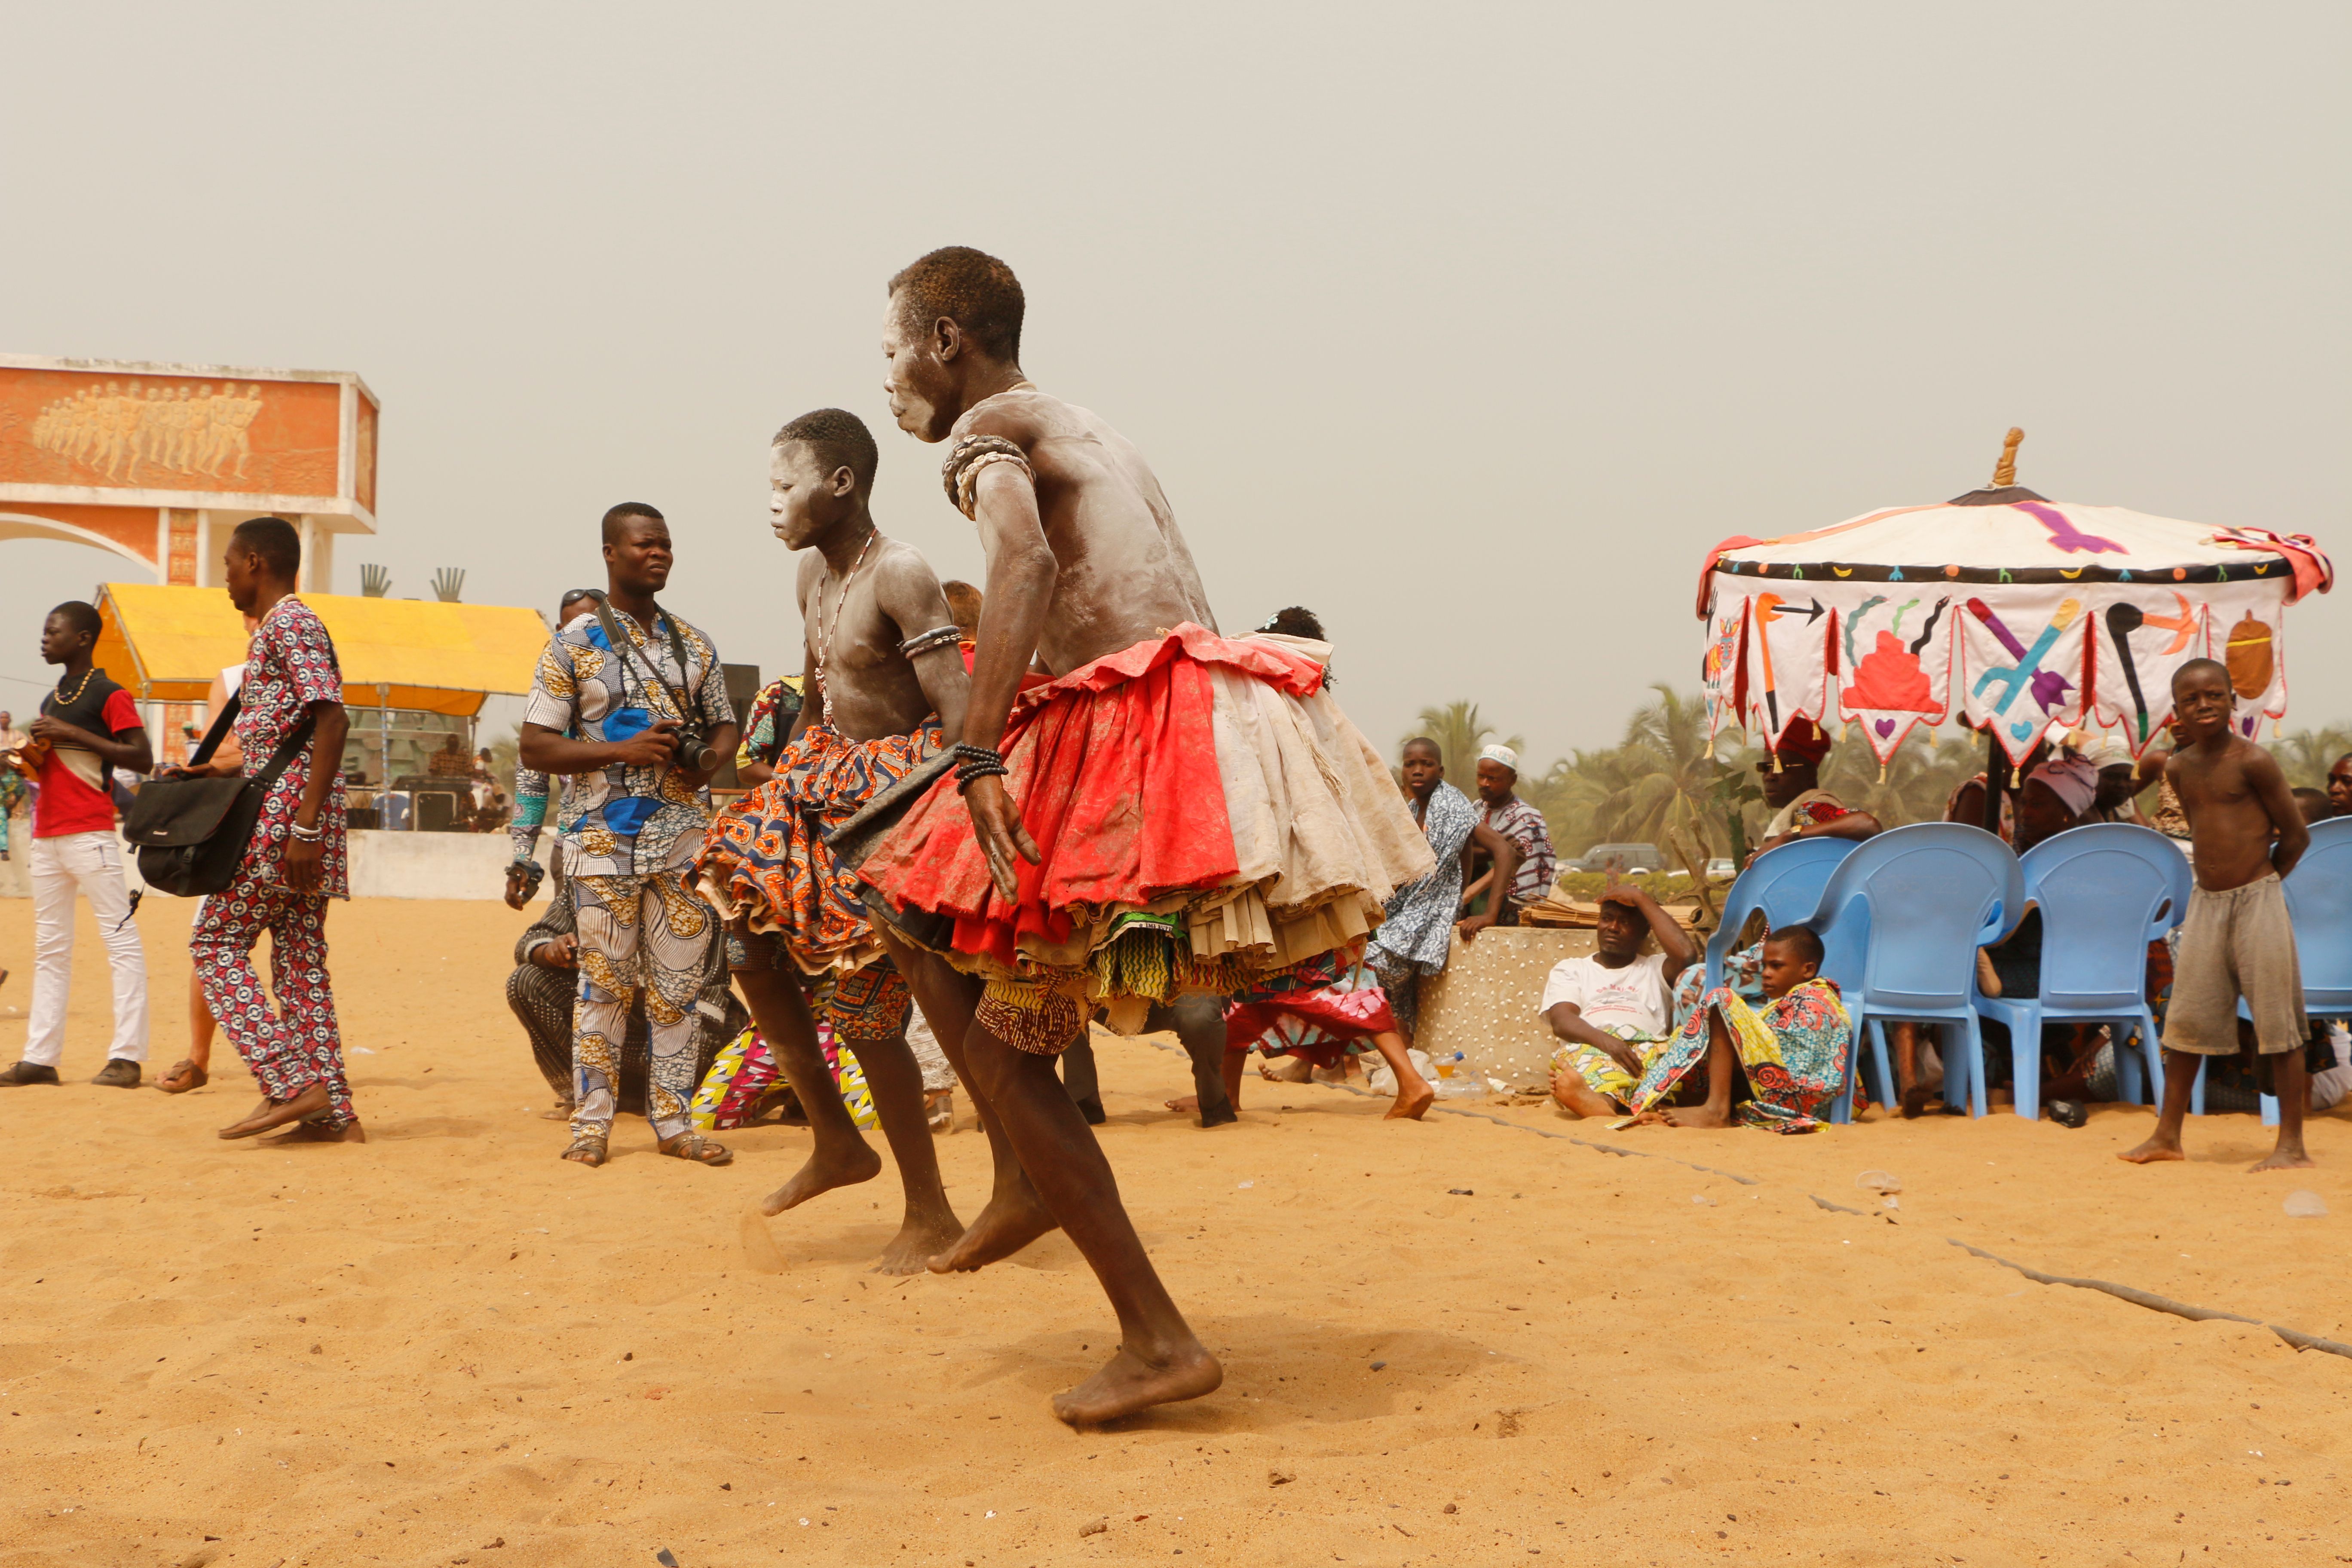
x: 1606, y: 1008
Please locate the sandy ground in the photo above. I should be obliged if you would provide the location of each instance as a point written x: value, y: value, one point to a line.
x: 449, y: 1347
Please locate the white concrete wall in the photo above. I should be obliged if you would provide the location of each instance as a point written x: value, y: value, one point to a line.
x: 1484, y: 1006
x: 384, y: 865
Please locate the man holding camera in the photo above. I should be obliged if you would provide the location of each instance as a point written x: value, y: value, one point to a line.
x: 632, y: 702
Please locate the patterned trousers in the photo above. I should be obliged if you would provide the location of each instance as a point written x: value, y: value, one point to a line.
x: 637, y: 933
x: 297, y: 1044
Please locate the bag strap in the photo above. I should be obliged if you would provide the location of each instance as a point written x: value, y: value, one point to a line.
x: 217, y: 733
x: 624, y: 645
x: 287, y: 750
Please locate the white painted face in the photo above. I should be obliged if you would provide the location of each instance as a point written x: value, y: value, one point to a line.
x: 801, y: 493
x: 917, y: 382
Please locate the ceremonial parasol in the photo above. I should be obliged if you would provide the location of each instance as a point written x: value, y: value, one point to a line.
x: 2029, y: 612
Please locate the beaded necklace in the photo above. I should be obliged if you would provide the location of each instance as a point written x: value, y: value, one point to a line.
x: 824, y: 631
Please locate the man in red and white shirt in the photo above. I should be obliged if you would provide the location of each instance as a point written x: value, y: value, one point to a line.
x: 87, y: 727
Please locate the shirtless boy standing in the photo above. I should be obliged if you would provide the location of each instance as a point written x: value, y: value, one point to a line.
x: 2245, y: 833
x: 1168, y: 812
x: 883, y: 670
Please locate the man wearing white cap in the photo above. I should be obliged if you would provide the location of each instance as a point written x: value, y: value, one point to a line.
x: 1514, y: 819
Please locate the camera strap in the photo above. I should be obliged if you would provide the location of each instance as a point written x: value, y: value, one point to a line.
x: 624, y: 644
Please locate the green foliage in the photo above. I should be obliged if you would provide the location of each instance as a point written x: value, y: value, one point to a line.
x: 2305, y: 755
x: 505, y: 755
x: 1660, y: 779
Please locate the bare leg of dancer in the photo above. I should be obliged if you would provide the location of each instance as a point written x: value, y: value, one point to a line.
x: 1081, y: 1079
x: 1160, y: 1359
x: 1015, y: 1215
x: 840, y: 1156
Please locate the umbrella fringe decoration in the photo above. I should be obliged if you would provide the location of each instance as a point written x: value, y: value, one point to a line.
x: 2016, y: 615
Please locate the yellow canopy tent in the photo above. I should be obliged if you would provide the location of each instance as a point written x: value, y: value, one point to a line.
x: 166, y: 644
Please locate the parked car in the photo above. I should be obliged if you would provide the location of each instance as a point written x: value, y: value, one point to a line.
x: 1721, y: 867
x: 1632, y: 859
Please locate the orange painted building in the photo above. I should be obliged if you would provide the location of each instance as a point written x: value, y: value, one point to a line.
x: 159, y: 462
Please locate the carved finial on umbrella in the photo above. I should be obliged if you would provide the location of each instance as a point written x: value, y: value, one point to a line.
x: 2004, y: 473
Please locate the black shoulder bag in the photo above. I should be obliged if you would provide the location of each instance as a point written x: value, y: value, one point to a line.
x: 191, y: 833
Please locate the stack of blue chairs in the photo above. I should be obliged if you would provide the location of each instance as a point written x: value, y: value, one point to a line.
x: 1901, y: 917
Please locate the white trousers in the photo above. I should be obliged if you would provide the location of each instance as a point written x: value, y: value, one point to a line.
x: 91, y: 864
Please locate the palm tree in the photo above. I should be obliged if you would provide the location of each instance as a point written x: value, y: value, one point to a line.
x: 2305, y: 755
x: 1914, y: 784
x: 1459, y: 732
x: 1666, y: 777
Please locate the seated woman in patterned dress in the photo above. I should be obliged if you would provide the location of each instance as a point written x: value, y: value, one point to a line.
x: 1774, y: 1066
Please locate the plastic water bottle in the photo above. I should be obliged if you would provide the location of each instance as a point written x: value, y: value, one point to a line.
x: 1454, y: 1078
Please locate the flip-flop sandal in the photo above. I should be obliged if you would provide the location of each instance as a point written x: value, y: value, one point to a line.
x: 589, y: 1152
x: 171, y: 1082
x: 694, y: 1146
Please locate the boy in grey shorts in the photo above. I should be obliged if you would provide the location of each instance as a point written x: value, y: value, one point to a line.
x: 2237, y: 941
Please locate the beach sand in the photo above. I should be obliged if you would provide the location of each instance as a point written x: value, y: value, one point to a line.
x: 447, y: 1347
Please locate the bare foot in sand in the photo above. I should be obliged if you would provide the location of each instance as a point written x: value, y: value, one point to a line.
x: 1920, y: 1097
x: 1696, y: 1116
x: 272, y: 1113
x: 313, y: 1133
x: 2285, y: 1157
x: 822, y: 1174
x: 2157, y: 1149
x: 1014, y: 1217
x: 921, y: 1239
x: 1189, y: 1103
x: 1127, y: 1384
x: 1413, y: 1100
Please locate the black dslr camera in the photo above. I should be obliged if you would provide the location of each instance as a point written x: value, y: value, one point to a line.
x: 695, y: 751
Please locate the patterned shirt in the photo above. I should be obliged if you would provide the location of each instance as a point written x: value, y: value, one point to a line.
x: 289, y: 668
x: 1524, y: 825
x: 628, y: 821
x: 1419, y: 927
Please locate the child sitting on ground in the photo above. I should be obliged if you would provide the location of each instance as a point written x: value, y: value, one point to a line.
x: 2237, y: 940
x: 1774, y: 1066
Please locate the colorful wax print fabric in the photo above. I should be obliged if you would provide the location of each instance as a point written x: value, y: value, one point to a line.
x: 289, y: 668
x: 770, y: 721
x: 1322, y: 1010
x: 1524, y: 825
x: 1793, y: 1052
x: 637, y: 934
x: 765, y: 855
x: 628, y: 821
x: 298, y: 1041
x: 1604, y: 1073
x: 1418, y: 930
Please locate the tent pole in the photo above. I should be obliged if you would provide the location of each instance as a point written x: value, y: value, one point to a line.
x: 1996, y: 780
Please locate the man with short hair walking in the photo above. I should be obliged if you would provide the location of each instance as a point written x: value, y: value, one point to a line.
x: 87, y: 727
x: 296, y: 860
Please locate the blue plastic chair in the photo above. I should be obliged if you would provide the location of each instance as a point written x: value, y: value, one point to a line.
x: 1785, y: 883
x: 1933, y: 893
x: 2319, y: 901
x: 2106, y: 893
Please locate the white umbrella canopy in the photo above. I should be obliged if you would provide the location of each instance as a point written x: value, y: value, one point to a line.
x: 2021, y: 612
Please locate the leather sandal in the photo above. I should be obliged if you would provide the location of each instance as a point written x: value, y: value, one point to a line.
x: 184, y: 1076
x: 694, y: 1146
x: 586, y: 1150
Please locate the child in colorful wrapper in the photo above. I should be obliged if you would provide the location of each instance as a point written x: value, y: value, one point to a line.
x: 1774, y: 1066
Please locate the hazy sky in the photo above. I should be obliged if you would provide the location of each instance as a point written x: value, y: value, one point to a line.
x: 1471, y: 327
